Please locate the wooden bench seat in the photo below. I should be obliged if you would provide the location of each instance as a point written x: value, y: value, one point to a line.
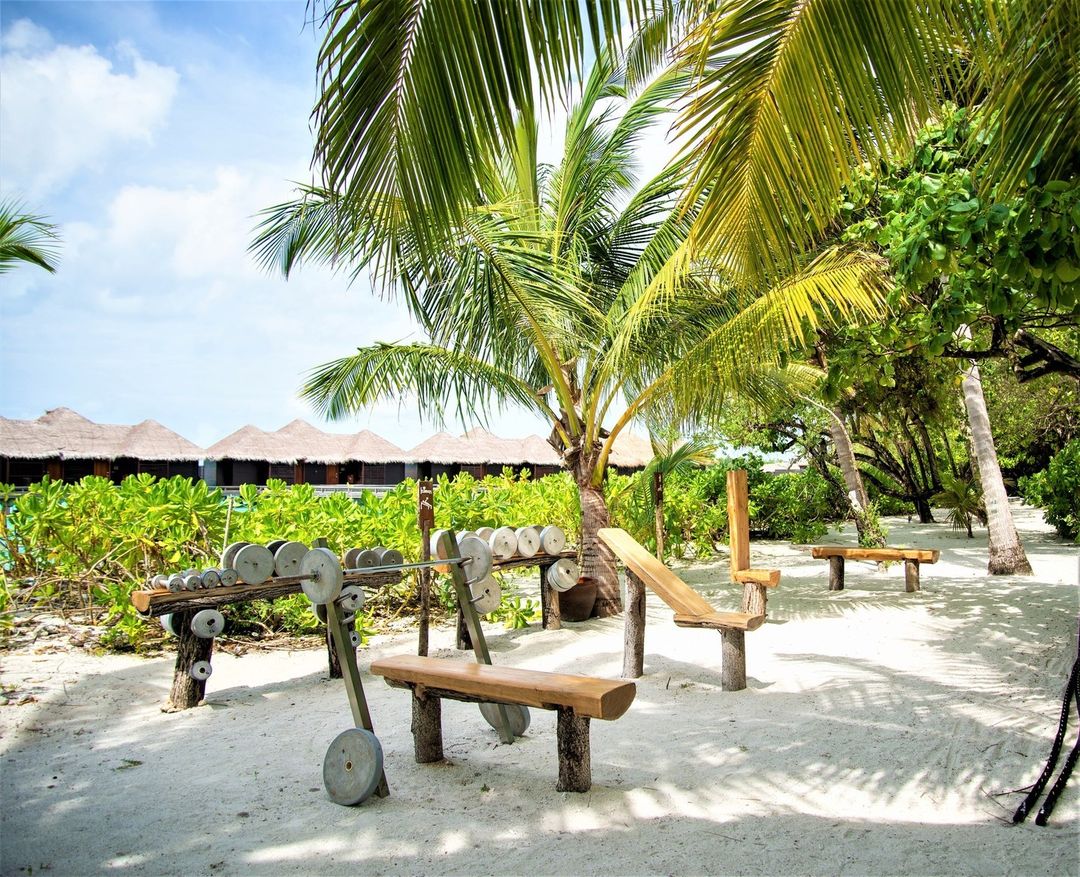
x: 575, y: 699
x: 691, y: 609
x: 837, y: 554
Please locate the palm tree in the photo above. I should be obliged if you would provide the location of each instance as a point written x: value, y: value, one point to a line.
x: 25, y: 239
x: 553, y: 290
x: 670, y: 458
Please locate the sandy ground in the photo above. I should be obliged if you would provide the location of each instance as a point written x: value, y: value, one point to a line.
x: 881, y: 733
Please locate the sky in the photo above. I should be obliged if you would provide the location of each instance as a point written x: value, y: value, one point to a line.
x: 152, y: 134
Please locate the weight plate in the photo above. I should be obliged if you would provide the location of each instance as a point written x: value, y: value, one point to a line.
x: 563, y: 574
x: 476, y: 558
x: 552, y: 539
x: 367, y: 558
x: 166, y: 624
x: 528, y: 541
x: 517, y: 714
x: 229, y: 577
x: 354, y: 639
x: 350, y: 557
x: 438, y: 550
x: 273, y: 546
x: 207, y: 623
x: 353, y: 767
x: 322, y: 575
x: 351, y: 598
x: 200, y: 670
x: 176, y: 583
x: 391, y: 557
x: 254, y: 564
x: 485, y: 532
x: 159, y: 583
x: 486, y: 595
x: 288, y: 557
x: 503, y: 543
x: 229, y: 556
x: 210, y: 578
x: 193, y: 582
x: 461, y: 534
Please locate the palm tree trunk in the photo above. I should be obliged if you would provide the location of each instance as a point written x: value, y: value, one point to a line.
x: 1007, y: 556
x: 658, y: 512
x: 597, y: 561
x: 856, y: 490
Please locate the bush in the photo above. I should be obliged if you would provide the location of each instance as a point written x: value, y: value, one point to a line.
x: 1057, y: 490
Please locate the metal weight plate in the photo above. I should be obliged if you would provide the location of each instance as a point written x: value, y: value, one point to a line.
x: 229, y: 577
x: 354, y: 639
x: 476, y: 558
x: 367, y: 558
x: 518, y: 715
x: 563, y: 574
x: 485, y: 532
x: 322, y: 575
x: 528, y: 541
x: 200, y: 670
x: 552, y: 539
x: 353, y: 767
x: 437, y: 550
x: 166, y: 624
x: 193, y: 582
x: 272, y: 547
x: 391, y: 557
x: 229, y: 555
x: 159, y: 583
x: 350, y: 557
x: 210, y: 578
x: 463, y: 533
x: 486, y: 595
x: 207, y: 623
x: 351, y: 598
x: 254, y: 564
x: 503, y: 543
x: 176, y: 583
x: 288, y: 557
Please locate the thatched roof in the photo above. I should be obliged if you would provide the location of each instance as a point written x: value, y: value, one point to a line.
x: 478, y: 447
x: 630, y: 451
x: 299, y: 440
x: 64, y: 433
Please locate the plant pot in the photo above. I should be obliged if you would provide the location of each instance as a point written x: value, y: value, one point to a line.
x: 577, y: 603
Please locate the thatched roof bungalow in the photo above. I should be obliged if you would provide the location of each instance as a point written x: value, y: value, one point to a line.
x: 67, y: 446
x: 301, y: 453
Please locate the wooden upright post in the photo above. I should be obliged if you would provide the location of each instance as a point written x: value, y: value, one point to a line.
x: 738, y: 504
x: 634, y: 628
x: 550, y: 613
x: 186, y: 690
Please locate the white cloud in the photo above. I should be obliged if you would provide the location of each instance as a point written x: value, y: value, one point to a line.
x: 65, y: 108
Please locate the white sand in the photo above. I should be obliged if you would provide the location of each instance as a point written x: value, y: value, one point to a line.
x: 875, y: 732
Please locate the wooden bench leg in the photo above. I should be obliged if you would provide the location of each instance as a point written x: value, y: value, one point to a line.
x: 911, y: 576
x: 634, y: 628
x: 575, y: 760
x: 836, y: 573
x: 753, y: 599
x: 187, y: 692
x: 427, y: 727
x: 733, y: 658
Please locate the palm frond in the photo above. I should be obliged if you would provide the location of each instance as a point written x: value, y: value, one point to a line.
x: 25, y: 238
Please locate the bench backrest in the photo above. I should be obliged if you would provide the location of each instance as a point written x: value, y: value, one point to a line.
x: 924, y: 555
x: 661, y: 580
x: 588, y: 696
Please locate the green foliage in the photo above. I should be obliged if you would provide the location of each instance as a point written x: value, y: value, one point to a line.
x: 962, y: 499
x: 1057, y: 489
x: 872, y: 534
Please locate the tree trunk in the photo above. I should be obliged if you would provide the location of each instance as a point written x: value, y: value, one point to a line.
x: 1007, y: 556
x: 658, y: 513
x: 856, y: 490
x: 597, y: 561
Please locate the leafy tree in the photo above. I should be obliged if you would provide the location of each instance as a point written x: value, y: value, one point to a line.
x: 553, y: 289
x: 25, y: 239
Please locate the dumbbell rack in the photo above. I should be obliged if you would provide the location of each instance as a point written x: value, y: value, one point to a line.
x: 187, y: 692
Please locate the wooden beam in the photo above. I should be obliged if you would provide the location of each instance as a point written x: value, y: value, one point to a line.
x: 770, y: 578
x: 722, y: 621
x: 661, y: 580
x: 738, y: 503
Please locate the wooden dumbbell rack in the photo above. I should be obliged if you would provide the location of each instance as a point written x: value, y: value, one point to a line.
x: 186, y: 692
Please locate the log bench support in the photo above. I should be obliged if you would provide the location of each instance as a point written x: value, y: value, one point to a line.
x: 576, y: 700
x: 187, y: 691
x: 912, y: 558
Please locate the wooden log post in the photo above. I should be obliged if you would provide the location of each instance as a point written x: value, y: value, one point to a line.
x: 836, y: 573
x: 753, y: 598
x: 634, y: 628
x: 186, y: 691
x: 464, y: 641
x: 733, y: 660
x: 550, y: 614
x: 575, y: 760
x: 911, y: 576
x: 738, y: 504
x: 426, y: 726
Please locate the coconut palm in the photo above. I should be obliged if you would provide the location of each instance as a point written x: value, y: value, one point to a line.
x: 25, y: 239
x: 553, y: 290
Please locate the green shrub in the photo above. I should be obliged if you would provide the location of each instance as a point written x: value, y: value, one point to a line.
x: 1057, y: 490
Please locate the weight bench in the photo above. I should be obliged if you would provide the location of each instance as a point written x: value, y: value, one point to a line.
x: 691, y: 609
x: 576, y: 700
x: 912, y: 557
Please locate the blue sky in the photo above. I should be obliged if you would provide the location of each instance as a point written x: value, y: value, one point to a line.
x: 151, y: 133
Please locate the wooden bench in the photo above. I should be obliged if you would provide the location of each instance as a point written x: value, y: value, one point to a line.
x: 576, y: 700
x: 691, y: 609
x: 912, y: 557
